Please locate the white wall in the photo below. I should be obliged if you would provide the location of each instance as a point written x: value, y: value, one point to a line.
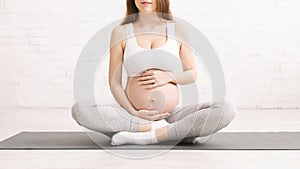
x: 257, y: 42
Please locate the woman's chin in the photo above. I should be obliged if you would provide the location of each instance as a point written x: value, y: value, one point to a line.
x: 147, y: 10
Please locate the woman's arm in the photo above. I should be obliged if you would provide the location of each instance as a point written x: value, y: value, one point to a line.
x: 115, y: 68
x: 189, y: 74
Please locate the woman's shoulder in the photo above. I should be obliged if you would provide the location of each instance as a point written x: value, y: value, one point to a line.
x: 179, y: 26
x: 118, y: 33
x: 119, y: 30
x: 181, y: 31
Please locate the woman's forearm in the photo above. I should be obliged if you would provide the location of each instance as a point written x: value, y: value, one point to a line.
x: 121, y: 97
x: 183, y: 78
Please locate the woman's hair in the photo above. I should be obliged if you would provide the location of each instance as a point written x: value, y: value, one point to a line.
x: 163, y: 11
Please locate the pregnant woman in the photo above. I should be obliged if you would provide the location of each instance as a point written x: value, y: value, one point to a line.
x: 148, y: 111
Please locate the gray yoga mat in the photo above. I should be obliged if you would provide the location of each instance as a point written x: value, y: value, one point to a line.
x: 217, y: 141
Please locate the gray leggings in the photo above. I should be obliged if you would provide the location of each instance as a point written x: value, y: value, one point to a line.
x: 111, y: 118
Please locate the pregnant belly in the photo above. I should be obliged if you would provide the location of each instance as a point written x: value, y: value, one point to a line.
x: 163, y: 98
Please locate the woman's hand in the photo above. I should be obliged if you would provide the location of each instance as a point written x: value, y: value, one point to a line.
x: 154, y: 78
x: 151, y: 115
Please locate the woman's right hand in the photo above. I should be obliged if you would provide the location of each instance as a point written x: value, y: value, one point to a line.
x: 151, y: 115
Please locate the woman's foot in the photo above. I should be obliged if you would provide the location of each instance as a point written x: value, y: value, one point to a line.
x: 195, y: 140
x: 153, y: 125
x: 159, y: 124
x: 125, y: 137
x: 190, y: 140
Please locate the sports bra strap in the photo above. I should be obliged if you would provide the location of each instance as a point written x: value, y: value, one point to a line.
x: 171, y: 29
x: 130, y: 31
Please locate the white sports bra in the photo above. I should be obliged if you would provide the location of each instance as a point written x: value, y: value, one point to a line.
x: 138, y: 59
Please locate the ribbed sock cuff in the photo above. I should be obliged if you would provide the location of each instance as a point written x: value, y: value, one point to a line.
x: 134, y: 126
x: 154, y: 138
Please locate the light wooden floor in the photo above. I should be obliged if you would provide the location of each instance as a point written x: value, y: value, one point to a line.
x: 13, y: 121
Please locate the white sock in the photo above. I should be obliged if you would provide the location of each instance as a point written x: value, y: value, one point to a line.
x: 125, y: 137
x: 159, y: 124
x: 201, y: 140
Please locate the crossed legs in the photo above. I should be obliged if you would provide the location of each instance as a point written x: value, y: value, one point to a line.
x: 188, y: 122
x: 185, y: 122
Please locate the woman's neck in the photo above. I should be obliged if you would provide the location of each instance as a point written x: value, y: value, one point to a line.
x: 148, y: 19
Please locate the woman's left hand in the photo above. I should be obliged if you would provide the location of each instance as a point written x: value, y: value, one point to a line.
x: 154, y: 78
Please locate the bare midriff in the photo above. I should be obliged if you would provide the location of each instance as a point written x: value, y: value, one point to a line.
x: 163, y: 98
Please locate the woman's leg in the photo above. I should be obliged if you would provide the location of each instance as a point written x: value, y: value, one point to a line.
x: 180, y: 112
x: 108, y: 118
x: 201, y: 122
